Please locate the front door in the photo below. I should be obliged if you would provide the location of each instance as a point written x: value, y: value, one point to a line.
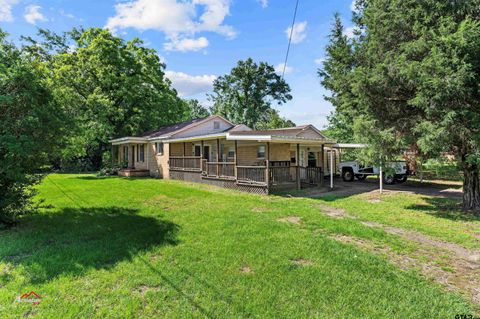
x: 312, y: 159
x: 206, y: 152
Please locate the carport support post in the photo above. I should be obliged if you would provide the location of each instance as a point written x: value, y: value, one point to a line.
x: 381, y: 180
x: 297, y: 171
x: 331, y: 168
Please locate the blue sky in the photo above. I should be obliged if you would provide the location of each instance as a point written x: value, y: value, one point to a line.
x: 202, y: 39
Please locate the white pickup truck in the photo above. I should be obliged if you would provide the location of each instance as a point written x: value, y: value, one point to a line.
x: 353, y: 169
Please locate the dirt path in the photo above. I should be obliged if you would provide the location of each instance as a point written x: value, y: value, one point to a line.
x: 454, y: 266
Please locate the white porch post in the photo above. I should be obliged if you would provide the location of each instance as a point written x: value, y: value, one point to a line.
x: 331, y: 168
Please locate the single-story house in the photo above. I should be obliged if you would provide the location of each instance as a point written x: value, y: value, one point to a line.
x: 215, y: 151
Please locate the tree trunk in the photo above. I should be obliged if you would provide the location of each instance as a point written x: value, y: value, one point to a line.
x: 471, y: 188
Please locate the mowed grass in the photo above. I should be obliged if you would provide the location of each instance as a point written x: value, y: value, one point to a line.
x: 438, y: 217
x: 143, y: 248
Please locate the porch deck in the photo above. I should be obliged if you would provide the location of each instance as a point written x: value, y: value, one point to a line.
x: 271, y: 175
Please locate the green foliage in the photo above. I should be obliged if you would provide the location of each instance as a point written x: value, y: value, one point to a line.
x: 441, y: 169
x: 195, y: 110
x: 30, y: 124
x: 274, y: 120
x: 246, y: 94
x: 335, y: 76
x: 414, y: 80
x: 109, y: 86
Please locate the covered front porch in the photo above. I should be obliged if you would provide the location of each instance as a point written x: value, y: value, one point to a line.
x: 257, y: 165
x: 131, y: 157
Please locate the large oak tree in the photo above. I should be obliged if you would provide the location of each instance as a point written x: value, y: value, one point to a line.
x: 247, y: 93
x: 110, y: 87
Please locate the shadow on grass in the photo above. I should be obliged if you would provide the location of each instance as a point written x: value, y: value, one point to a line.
x: 445, y: 208
x: 74, y: 241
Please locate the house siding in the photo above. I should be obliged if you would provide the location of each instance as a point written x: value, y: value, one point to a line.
x: 158, y: 163
x: 204, y: 128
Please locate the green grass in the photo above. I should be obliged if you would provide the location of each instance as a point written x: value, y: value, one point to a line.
x: 113, y: 247
x: 438, y: 217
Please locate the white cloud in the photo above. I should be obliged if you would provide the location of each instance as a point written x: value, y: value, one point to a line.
x: 33, y: 14
x: 179, y: 20
x: 279, y: 68
x: 186, y: 44
x: 349, y: 32
x: 188, y: 85
x: 298, y: 34
x: 352, y: 5
x: 319, y: 61
x: 6, y: 9
x: 263, y: 3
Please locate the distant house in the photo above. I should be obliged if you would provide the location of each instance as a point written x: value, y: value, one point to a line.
x: 215, y: 151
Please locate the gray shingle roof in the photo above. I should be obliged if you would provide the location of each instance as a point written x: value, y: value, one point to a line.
x: 166, y: 130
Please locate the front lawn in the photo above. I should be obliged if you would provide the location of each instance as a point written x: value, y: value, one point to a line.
x: 114, y: 247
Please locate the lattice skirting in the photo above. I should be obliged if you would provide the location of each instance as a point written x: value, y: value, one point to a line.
x: 196, y: 177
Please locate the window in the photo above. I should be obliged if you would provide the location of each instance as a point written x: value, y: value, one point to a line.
x: 216, y: 125
x: 197, y: 150
x: 261, y: 151
x: 231, y: 152
x: 142, y: 153
x: 125, y: 154
x: 159, y: 148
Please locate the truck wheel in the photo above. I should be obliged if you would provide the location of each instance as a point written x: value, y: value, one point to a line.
x: 347, y: 175
x: 361, y: 177
x: 401, y: 178
x: 389, y: 179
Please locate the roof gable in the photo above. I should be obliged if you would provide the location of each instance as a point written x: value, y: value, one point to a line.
x: 210, y: 125
x: 169, y: 129
x: 310, y: 131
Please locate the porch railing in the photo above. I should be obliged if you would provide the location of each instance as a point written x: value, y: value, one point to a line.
x: 191, y: 163
x: 311, y: 175
x: 219, y: 169
x: 251, y: 174
x: 256, y: 175
x: 282, y: 174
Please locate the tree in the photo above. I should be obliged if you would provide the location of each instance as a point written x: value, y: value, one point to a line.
x: 30, y: 124
x: 246, y: 94
x: 335, y: 76
x: 195, y: 110
x: 274, y: 120
x: 415, y: 80
x: 112, y: 88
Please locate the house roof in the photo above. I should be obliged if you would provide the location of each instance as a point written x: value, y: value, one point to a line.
x: 234, y: 132
x: 287, y: 131
x: 166, y: 130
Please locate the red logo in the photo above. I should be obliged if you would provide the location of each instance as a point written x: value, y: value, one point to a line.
x: 31, y: 297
